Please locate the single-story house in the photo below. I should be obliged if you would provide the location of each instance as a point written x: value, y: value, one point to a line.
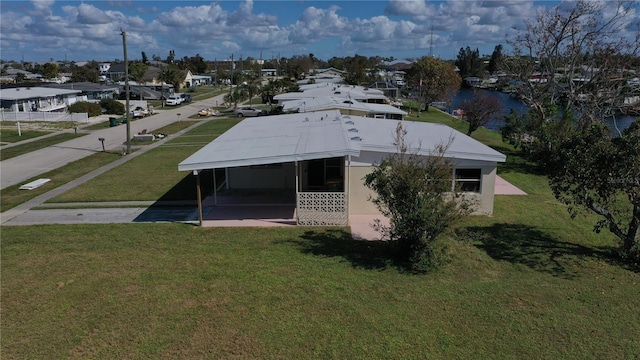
x: 346, y: 107
x: 397, y: 65
x: 360, y: 93
x: 268, y: 72
x: 387, y: 88
x: 27, y: 99
x: 322, y: 158
x: 330, y: 71
x: 89, y: 91
x: 201, y: 80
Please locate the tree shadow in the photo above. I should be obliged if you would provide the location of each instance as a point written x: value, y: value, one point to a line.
x: 365, y: 254
x: 526, y: 245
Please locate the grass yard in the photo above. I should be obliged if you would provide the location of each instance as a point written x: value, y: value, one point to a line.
x: 21, y: 149
x: 178, y: 291
x: 527, y: 282
x: 153, y: 175
x: 13, y: 196
x: 9, y: 134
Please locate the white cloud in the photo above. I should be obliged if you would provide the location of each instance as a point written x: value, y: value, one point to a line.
x: 89, y: 14
x: 41, y: 7
x: 217, y: 29
x: 315, y: 24
x: 417, y: 9
x: 231, y: 46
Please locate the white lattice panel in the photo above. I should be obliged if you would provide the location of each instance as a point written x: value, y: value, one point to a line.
x: 322, y: 208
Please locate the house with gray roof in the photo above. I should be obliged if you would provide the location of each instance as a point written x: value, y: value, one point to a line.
x: 89, y: 91
x: 29, y: 99
x: 321, y: 158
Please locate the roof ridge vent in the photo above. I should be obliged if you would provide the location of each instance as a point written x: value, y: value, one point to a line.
x: 353, y: 130
x: 356, y: 138
x: 350, y: 122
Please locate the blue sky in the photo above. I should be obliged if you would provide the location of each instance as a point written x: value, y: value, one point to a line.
x: 90, y: 30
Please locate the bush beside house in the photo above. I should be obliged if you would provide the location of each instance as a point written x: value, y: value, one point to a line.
x: 92, y: 109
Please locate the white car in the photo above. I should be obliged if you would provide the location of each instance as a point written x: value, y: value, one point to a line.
x: 173, y: 100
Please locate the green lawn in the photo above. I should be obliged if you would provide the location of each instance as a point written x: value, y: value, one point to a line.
x: 178, y: 291
x: 153, y: 175
x: 527, y: 282
x: 10, y: 134
x: 21, y: 149
x: 13, y: 196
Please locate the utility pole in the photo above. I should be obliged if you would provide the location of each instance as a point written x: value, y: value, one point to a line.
x: 431, y: 43
x: 126, y: 89
x: 231, y: 82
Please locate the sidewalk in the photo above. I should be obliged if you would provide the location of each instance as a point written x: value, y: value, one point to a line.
x: 8, y: 216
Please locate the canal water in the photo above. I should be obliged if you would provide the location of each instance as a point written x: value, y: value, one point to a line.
x: 508, y: 102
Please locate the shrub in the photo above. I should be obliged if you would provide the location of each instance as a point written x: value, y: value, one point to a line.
x: 112, y: 106
x: 92, y: 109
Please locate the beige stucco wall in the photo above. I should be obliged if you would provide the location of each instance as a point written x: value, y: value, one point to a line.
x: 359, y: 193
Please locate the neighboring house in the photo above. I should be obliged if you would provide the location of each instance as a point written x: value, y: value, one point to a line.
x: 331, y: 71
x: 346, y: 107
x: 268, y: 72
x: 187, y: 79
x: 397, y: 65
x: 89, y: 91
x: 104, y: 68
x: 390, y: 90
x: 29, y: 99
x: 322, y: 158
x: 199, y: 80
x: 11, y: 72
x: 354, y: 92
x: 323, y: 76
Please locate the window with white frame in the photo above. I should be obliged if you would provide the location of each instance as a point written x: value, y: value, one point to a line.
x: 468, y: 180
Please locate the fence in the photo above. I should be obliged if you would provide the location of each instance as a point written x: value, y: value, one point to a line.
x: 322, y: 208
x: 44, y: 116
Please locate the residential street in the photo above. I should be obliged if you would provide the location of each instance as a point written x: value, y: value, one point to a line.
x: 18, y: 169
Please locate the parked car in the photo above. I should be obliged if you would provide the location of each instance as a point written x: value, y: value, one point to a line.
x: 249, y: 111
x: 173, y: 100
x: 186, y: 98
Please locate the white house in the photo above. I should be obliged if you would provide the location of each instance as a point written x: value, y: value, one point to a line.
x: 28, y: 99
x: 322, y: 158
x: 345, y: 106
x: 326, y: 90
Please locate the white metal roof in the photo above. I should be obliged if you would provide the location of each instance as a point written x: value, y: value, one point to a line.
x: 316, y: 104
x: 306, y: 136
x: 421, y: 138
x: 33, y: 92
x: 274, y: 139
x: 335, y: 90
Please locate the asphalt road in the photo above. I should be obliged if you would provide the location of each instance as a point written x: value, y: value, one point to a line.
x: 18, y: 169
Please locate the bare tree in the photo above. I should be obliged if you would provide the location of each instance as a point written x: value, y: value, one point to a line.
x: 575, y: 62
x: 480, y: 109
x: 575, y: 58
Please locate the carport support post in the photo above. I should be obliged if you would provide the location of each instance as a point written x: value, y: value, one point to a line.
x: 199, y: 195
